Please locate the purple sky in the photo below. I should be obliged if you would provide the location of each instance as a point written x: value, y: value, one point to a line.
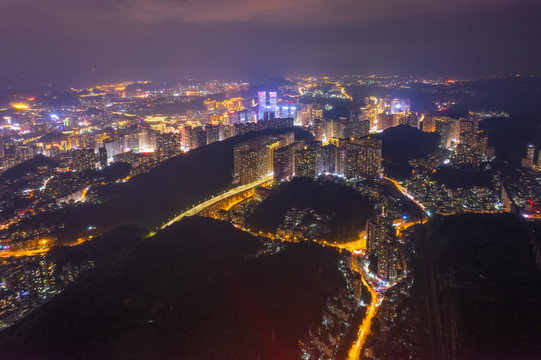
x: 61, y: 41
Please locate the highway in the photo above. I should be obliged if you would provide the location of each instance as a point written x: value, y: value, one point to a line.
x: 83, y: 195
x: 41, y: 249
x: 356, y: 247
x: 345, y: 94
x: 364, y: 329
x: 201, y: 207
x: 403, y: 191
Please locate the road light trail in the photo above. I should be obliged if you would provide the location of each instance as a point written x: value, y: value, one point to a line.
x: 364, y: 329
x: 201, y: 207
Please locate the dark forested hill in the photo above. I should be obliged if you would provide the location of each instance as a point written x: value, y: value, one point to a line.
x: 487, y: 285
x: 196, y: 290
x: 347, y: 209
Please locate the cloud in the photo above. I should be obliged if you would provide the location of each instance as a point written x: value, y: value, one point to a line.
x: 273, y: 12
x: 290, y: 12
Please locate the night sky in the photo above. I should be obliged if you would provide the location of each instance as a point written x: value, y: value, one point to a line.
x: 83, y: 42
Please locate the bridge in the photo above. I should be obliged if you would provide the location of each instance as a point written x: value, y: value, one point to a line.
x: 223, y: 201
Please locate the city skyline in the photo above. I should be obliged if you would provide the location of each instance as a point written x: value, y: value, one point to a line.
x: 251, y: 179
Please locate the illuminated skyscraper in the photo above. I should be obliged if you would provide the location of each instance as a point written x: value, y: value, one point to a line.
x: 195, y: 137
x: 273, y: 102
x: 464, y: 154
x: 283, y: 163
x: 288, y: 111
x: 328, y: 159
x: 113, y: 148
x: 305, y: 118
x: 84, y: 160
x: 247, y: 162
x: 334, y: 129
x: 262, y: 104
x: 467, y: 125
x: 444, y: 127
x: 364, y: 158
x: 531, y: 152
x: 254, y: 158
x: 528, y: 161
x: 308, y: 160
x: 102, y: 154
x: 319, y: 129
x: 429, y: 124
x: 356, y: 129
x: 482, y: 144
x: 388, y: 260
x: 214, y: 133
x: 375, y: 233
x: 412, y: 120
x: 168, y: 143
x: 387, y: 121
x: 316, y: 113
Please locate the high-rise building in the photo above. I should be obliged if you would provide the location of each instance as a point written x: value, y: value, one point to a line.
x: 381, y: 247
x: 288, y: 111
x: 214, y: 133
x: 334, y: 129
x: 328, y: 159
x: 429, y: 124
x: 364, y: 158
x: 319, y: 129
x: 388, y: 260
x: 269, y: 115
x: 102, y: 155
x: 273, y: 102
x: 387, y: 121
x: 308, y: 160
x: 528, y: 162
x: 305, y: 118
x: 530, y: 152
x: 247, y: 162
x: 444, y: 127
x: 316, y: 113
x: 412, y: 120
x: 483, y: 145
x: 113, y: 148
x: 195, y: 137
x: 467, y: 125
x: 283, y: 163
x: 464, y: 154
x: 262, y: 104
x: 168, y: 143
x: 84, y: 160
x: 254, y: 158
x: 229, y: 131
x: 377, y: 230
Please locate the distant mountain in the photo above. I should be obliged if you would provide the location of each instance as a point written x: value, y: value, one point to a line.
x: 196, y: 290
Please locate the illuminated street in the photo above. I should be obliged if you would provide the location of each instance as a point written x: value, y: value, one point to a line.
x: 201, y: 207
x: 371, y: 311
x: 44, y: 246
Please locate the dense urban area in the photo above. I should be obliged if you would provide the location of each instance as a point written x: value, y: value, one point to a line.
x: 374, y: 174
